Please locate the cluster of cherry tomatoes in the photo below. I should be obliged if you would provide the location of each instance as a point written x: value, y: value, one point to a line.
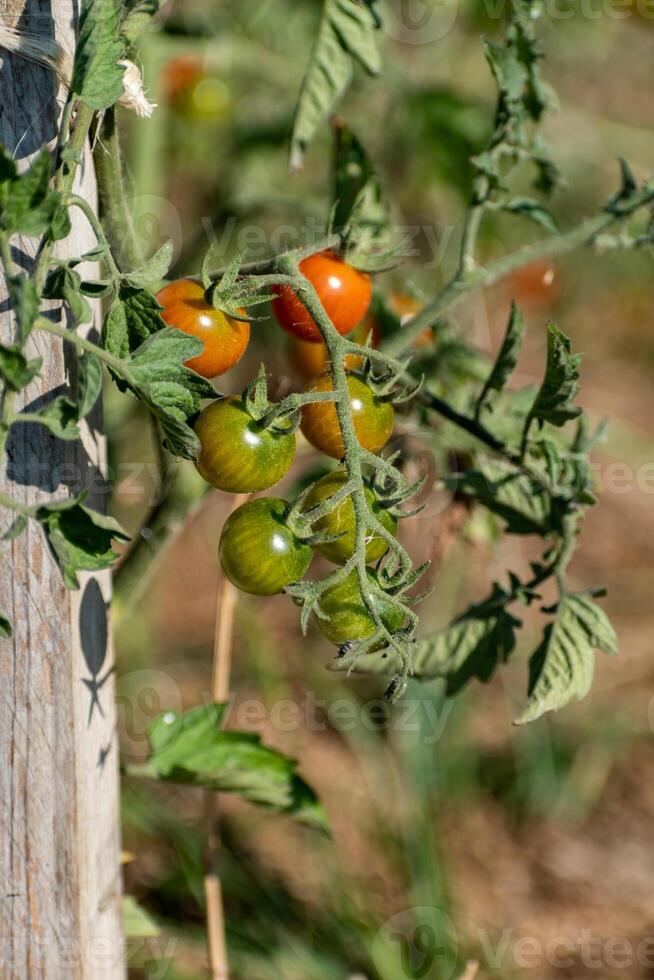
x: 261, y: 550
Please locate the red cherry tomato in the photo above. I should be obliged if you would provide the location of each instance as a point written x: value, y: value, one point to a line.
x: 225, y: 339
x: 344, y: 292
x: 373, y: 418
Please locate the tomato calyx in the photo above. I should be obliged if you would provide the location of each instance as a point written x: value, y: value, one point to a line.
x: 232, y: 293
x: 387, y: 381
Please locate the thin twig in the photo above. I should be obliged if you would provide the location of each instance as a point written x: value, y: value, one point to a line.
x: 222, y: 657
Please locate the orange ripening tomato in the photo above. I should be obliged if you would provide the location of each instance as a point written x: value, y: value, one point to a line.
x: 405, y: 307
x: 373, y: 419
x: 225, y: 339
x: 310, y: 359
x: 344, y: 292
x: 534, y: 287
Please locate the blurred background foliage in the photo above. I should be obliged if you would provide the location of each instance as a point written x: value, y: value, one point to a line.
x: 440, y: 806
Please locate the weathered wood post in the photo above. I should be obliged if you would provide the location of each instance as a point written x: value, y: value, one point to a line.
x: 59, y: 787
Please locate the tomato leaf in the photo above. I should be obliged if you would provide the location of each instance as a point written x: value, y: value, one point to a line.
x: 562, y: 666
x: 5, y: 628
x: 64, y: 283
x: 80, y: 538
x: 155, y: 268
x: 191, y: 749
x: 15, y: 369
x: 28, y: 203
x: 97, y: 76
x: 506, y: 361
x: 59, y: 416
x: 472, y: 646
x: 560, y: 385
x: 137, y: 923
x: 533, y: 210
x: 89, y: 383
x: 346, y: 34
x: 133, y: 316
x: 157, y: 375
x: 510, y: 493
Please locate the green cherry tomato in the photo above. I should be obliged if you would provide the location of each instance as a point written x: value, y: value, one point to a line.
x: 258, y: 551
x: 341, y: 520
x: 348, y: 620
x: 236, y: 454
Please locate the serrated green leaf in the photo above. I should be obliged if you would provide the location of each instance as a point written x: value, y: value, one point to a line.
x: 5, y: 628
x: 29, y: 203
x: 510, y: 73
x: 157, y: 375
x: 507, y: 359
x: 97, y: 76
x: 137, y: 923
x: 534, y: 210
x: 132, y: 318
x: 15, y: 369
x: 80, y: 538
x: 192, y: 749
x: 347, y: 34
x: 562, y: 666
x: 24, y: 301
x: 560, y: 386
x: 155, y: 268
x: 89, y: 383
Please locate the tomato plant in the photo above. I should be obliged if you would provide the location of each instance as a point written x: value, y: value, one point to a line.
x: 225, y: 338
x: 258, y: 551
x: 347, y: 618
x: 237, y: 453
x: 523, y: 455
x: 341, y: 521
x: 373, y: 419
x: 343, y: 291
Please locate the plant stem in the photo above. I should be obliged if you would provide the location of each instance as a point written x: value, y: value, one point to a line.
x: 458, y: 286
x: 82, y: 344
x: 116, y: 211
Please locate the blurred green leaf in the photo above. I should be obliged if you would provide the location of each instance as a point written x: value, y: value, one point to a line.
x: 5, y: 628
x: 347, y: 34
x: 508, y: 492
x: 89, y: 383
x: 59, y: 416
x: 562, y: 667
x: 24, y: 301
x: 15, y: 370
x: 533, y: 210
x: 64, y: 283
x: 506, y: 361
x: 191, y: 748
x: 137, y: 923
